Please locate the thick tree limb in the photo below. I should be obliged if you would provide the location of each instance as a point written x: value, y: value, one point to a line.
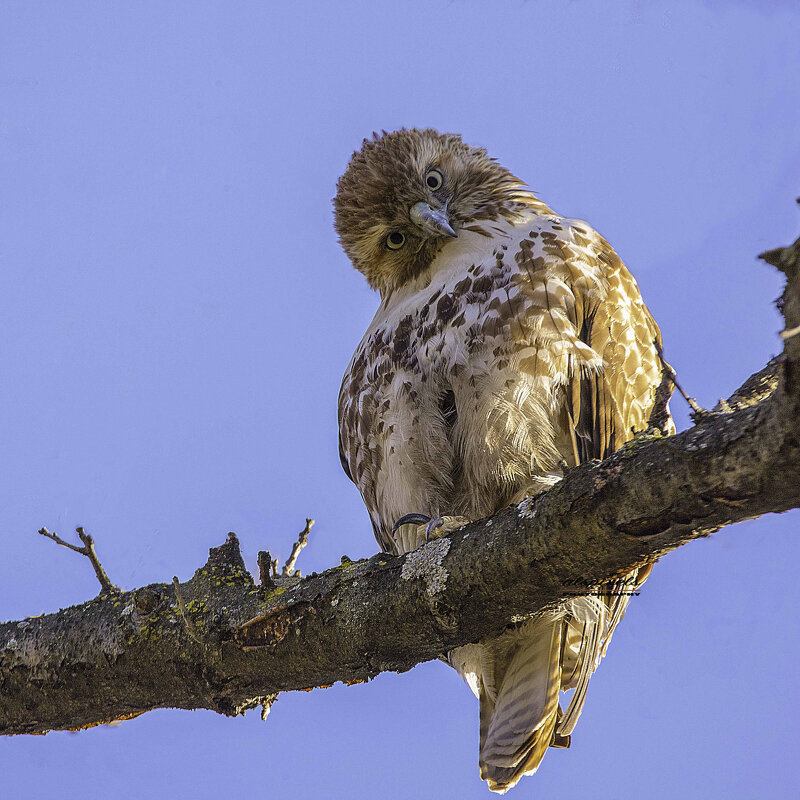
x: 219, y: 641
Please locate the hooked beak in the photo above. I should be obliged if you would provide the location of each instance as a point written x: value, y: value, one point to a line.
x: 432, y: 221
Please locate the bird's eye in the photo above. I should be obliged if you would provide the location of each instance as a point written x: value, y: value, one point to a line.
x: 434, y: 179
x: 395, y: 240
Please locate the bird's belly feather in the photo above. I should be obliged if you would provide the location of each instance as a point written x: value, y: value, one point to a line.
x: 500, y: 334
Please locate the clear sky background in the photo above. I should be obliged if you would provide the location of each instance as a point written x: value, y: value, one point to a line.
x: 177, y: 315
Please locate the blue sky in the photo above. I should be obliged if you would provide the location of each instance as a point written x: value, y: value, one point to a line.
x: 177, y: 316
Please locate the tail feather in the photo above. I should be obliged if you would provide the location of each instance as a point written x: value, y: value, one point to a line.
x: 518, y: 677
x: 618, y: 603
x: 588, y: 623
x: 501, y: 779
x: 520, y: 723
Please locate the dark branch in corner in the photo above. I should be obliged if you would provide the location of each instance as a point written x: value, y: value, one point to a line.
x: 221, y: 642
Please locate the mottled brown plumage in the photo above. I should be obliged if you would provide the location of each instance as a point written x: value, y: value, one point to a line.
x: 508, y: 342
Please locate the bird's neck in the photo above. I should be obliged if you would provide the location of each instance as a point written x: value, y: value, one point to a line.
x: 476, y: 242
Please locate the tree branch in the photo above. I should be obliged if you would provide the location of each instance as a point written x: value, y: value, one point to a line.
x: 302, y: 540
x: 221, y: 642
x: 88, y: 551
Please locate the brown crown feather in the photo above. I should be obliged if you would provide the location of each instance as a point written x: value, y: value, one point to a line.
x: 386, y: 177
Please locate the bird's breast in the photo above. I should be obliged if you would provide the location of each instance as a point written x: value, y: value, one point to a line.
x: 453, y: 395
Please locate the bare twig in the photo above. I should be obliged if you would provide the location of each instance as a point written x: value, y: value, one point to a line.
x: 302, y: 540
x: 190, y: 628
x: 698, y: 412
x: 88, y: 551
x: 789, y: 332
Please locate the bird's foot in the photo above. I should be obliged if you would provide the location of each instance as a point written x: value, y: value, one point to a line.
x: 428, y: 529
x: 441, y: 526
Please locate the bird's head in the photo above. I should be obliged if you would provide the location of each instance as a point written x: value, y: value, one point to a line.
x: 406, y: 194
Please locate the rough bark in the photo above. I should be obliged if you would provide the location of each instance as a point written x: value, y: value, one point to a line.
x: 221, y: 642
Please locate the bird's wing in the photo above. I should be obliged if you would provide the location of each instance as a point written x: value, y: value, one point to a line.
x: 606, y: 407
x: 601, y: 344
x: 604, y: 410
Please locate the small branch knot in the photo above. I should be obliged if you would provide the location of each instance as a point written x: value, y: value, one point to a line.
x: 227, y: 556
x: 265, y: 568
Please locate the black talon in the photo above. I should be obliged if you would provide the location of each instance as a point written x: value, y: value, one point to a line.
x: 407, y: 519
x: 432, y: 526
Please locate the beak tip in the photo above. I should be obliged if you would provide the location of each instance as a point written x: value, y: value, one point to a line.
x: 432, y: 221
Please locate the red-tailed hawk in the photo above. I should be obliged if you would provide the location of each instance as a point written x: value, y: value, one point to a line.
x: 509, y: 342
